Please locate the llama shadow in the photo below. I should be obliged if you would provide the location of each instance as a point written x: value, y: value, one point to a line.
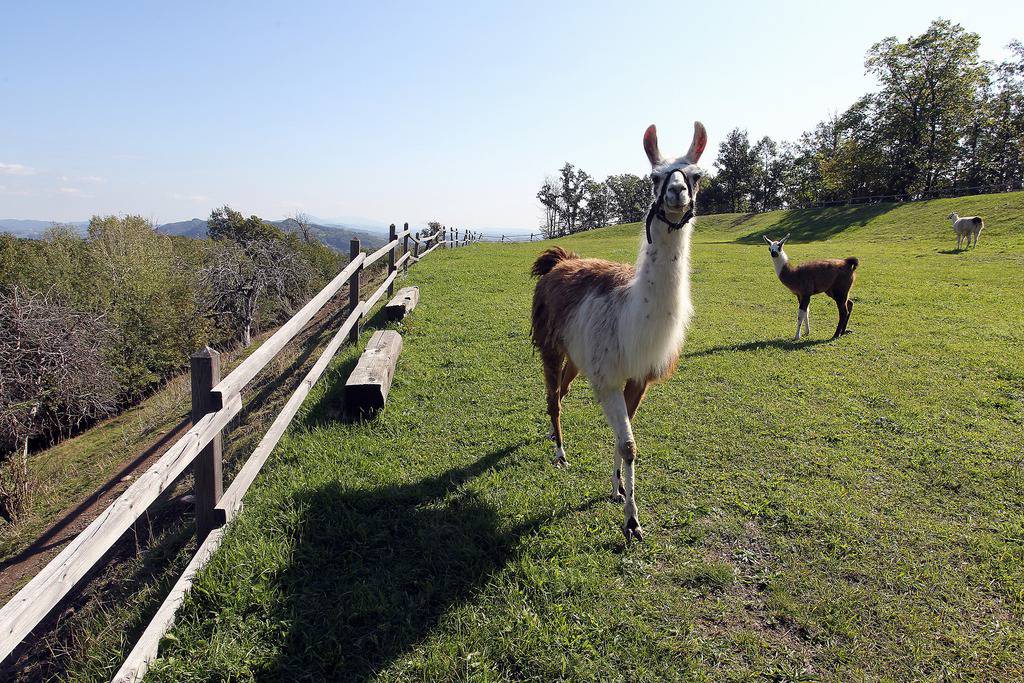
x: 783, y: 344
x: 951, y: 251
x: 820, y: 224
x: 374, y: 571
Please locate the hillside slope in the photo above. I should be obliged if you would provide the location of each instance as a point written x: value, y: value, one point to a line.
x: 831, y: 510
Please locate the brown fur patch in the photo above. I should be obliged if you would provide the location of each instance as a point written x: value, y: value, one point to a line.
x: 549, y: 258
x: 562, y: 288
x: 817, y: 277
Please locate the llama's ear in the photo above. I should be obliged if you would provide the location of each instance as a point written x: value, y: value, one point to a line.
x: 651, y: 145
x: 700, y: 141
x: 783, y: 240
x: 767, y: 239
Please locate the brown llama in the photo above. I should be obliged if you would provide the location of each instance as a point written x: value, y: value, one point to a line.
x: 834, y: 277
x: 621, y: 326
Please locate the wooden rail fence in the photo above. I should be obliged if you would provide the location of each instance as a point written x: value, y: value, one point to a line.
x: 215, y: 401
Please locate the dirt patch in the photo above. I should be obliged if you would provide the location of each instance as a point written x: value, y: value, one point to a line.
x: 744, y: 604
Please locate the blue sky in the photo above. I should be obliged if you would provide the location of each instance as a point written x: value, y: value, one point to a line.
x: 407, y: 111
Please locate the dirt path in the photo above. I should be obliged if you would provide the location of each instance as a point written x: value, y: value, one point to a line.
x: 17, y: 570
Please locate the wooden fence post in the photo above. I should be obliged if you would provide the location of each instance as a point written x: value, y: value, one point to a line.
x: 353, y: 287
x: 207, y: 467
x: 405, y: 246
x: 392, y: 236
x: 444, y: 232
x: 416, y: 246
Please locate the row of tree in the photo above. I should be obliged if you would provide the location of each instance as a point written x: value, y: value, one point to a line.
x: 941, y: 122
x: 89, y: 324
x: 574, y: 201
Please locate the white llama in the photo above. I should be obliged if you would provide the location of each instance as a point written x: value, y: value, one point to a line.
x: 965, y: 228
x: 622, y: 327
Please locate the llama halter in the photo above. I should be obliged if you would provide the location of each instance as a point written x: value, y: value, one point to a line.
x: 657, y: 209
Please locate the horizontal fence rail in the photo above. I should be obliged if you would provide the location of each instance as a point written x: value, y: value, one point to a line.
x: 533, y: 236
x: 213, y: 409
x: 33, y: 602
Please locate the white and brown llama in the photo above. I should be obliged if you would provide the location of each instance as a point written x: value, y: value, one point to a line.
x: 834, y: 277
x: 965, y: 228
x: 622, y: 327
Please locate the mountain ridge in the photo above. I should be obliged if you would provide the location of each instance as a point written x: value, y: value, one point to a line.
x: 335, y: 236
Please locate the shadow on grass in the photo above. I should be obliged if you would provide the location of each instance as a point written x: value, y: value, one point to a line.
x: 783, y: 344
x: 951, y: 251
x: 374, y: 571
x: 819, y: 224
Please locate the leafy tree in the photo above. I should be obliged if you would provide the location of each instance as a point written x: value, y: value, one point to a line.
x: 769, y: 174
x: 549, y: 195
x: 713, y: 197
x: 574, y: 183
x: 928, y: 88
x: 630, y: 196
x: 227, y: 224
x: 993, y: 152
x: 150, y: 302
x: 735, y: 164
x: 597, y: 210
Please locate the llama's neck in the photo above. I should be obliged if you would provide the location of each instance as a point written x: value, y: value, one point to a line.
x: 781, y: 262
x: 655, y: 311
x: 662, y: 273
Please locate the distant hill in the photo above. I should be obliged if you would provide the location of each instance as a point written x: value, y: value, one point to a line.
x: 35, y: 229
x: 338, y: 236
x: 193, y: 228
x: 335, y: 236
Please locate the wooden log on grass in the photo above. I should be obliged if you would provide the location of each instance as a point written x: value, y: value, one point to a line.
x: 367, y: 387
x: 403, y: 303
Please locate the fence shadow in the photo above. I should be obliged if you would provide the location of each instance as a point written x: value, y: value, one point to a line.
x: 373, y: 571
x: 820, y: 224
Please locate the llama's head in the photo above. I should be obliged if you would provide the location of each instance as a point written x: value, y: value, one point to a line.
x: 775, y: 248
x: 953, y: 216
x: 675, y: 181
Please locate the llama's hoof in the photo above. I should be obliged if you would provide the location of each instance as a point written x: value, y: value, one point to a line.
x: 617, y: 497
x: 632, y: 529
x: 560, y: 462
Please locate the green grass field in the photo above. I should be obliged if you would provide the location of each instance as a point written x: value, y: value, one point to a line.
x: 847, y: 510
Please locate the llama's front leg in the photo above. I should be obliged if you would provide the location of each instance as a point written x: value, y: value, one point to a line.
x: 614, y: 405
x: 801, y: 316
x: 618, y: 494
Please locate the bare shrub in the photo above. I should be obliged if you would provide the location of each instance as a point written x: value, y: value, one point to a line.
x: 54, y: 377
